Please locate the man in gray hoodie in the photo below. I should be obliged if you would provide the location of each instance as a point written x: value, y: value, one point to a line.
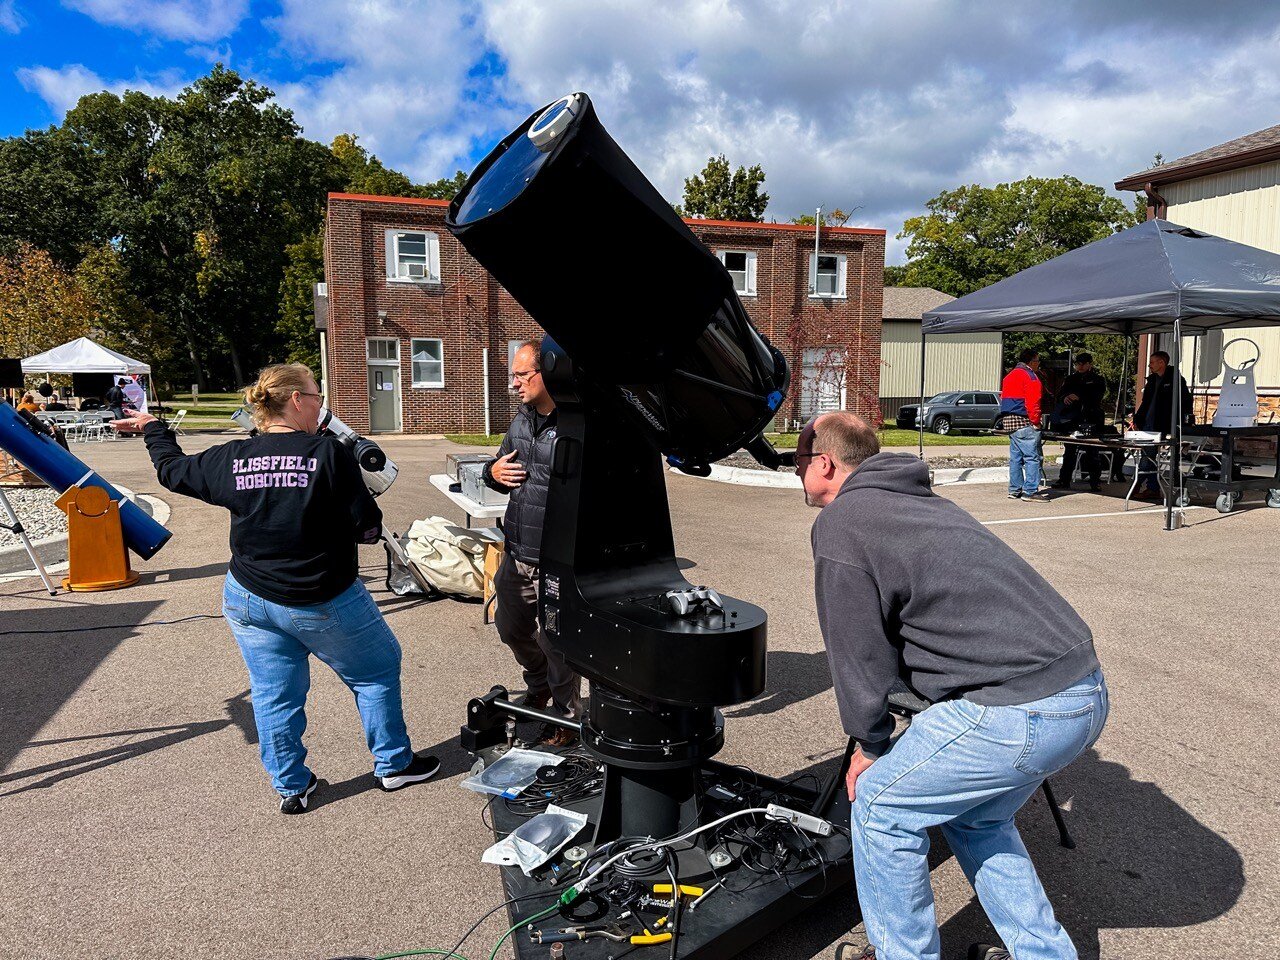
x: 909, y: 586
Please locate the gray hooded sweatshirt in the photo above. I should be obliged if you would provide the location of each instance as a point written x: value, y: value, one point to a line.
x: 909, y: 585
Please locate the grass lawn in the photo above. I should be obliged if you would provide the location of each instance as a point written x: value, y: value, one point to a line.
x: 212, y: 412
x: 785, y: 441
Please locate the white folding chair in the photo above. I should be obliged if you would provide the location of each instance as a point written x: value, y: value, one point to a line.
x: 176, y: 423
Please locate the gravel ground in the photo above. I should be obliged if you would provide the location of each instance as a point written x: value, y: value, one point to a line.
x: 35, y: 509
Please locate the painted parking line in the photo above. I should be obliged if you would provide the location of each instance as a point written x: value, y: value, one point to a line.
x: 1084, y: 516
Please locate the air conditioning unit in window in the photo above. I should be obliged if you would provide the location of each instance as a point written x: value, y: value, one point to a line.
x: 417, y: 271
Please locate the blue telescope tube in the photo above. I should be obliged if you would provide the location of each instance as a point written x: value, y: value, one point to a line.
x: 42, y: 455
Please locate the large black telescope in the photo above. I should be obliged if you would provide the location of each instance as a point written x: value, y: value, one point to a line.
x: 564, y: 220
x: 649, y: 354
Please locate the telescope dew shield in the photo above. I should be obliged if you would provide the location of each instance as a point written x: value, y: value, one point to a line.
x: 647, y: 311
x: 40, y: 454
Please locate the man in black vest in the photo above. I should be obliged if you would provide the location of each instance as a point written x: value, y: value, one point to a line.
x: 1155, y: 414
x: 1080, y: 408
x: 523, y: 469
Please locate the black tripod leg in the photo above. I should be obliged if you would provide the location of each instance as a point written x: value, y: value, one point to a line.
x: 1064, y: 835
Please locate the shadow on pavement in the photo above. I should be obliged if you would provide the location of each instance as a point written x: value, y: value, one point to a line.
x: 453, y: 761
x: 793, y: 677
x: 188, y: 573
x: 1141, y: 862
x: 156, y: 738
x: 42, y: 669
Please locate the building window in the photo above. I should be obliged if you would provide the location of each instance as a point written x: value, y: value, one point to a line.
x: 513, y: 347
x: 826, y: 275
x: 413, y: 256
x: 822, y: 388
x: 428, y: 362
x: 383, y: 349
x: 741, y: 265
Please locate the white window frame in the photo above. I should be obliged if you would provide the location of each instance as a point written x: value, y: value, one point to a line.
x: 822, y: 371
x: 413, y: 350
x: 750, y: 289
x: 389, y: 361
x: 432, y: 266
x: 513, y: 347
x: 842, y: 274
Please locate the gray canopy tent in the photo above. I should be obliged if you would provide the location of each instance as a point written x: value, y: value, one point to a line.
x: 1153, y: 278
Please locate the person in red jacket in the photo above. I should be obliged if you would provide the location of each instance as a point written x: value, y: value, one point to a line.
x: 1020, y: 394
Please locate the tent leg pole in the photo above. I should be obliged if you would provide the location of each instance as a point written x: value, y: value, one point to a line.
x: 1175, y: 432
x: 920, y: 409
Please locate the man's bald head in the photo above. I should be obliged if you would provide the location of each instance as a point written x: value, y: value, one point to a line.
x: 843, y: 436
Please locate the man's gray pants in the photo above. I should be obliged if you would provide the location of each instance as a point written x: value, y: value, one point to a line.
x: 545, y: 670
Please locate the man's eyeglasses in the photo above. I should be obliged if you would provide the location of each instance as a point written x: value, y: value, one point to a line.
x: 803, y: 455
x: 524, y: 376
x: 304, y: 393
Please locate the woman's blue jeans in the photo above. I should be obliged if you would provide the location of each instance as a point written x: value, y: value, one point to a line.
x: 967, y: 769
x: 349, y: 634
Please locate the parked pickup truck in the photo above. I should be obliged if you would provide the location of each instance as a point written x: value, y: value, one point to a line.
x: 958, y: 410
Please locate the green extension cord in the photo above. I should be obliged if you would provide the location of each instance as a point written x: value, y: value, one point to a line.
x: 457, y: 956
x: 537, y: 916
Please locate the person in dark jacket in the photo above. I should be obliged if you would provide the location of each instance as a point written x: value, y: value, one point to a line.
x: 1007, y: 664
x: 299, y: 506
x: 115, y: 398
x: 1155, y: 413
x: 1079, y: 407
x: 523, y: 469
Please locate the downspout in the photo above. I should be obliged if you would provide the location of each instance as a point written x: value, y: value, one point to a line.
x: 484, y: 363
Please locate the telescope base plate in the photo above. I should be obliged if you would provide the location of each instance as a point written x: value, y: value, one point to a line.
x: 731, y: 919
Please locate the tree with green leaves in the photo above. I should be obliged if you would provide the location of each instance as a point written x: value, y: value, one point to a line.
x: 41, y: 304
x: 360, y: 172
x: 834, y: 218
x: 973, y: 236
x: 718, y: 193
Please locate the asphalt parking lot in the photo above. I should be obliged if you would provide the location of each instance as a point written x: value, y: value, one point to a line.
x: 136, y: 821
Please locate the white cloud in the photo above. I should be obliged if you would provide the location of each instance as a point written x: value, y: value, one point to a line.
x: 61, y: 88
x: 887, y: 103
x: 405, y: 83
x: 10, y: 20
x: 198, y: 20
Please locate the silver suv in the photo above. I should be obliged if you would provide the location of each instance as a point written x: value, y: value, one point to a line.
x: 955, y: 410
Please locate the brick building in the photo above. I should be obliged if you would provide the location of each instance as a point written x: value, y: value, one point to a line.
x: 408, y: 315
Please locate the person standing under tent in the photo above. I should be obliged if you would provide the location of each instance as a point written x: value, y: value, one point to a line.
x: 1020, y: 394
x: 1155, y: 415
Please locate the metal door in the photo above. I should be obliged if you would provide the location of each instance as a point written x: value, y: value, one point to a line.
x: 964, y: 415
x: 384, y: 398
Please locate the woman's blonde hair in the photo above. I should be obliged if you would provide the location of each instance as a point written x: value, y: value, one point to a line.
x: 276, y: 383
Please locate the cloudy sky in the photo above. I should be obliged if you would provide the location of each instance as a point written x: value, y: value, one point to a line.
x: 875, y: 105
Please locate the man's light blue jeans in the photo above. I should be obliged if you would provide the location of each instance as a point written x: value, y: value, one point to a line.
x: 349, y: 634
x: 967, y: 769
x: 1024, y: 461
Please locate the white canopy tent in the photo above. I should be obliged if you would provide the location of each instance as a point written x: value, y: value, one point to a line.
x: 82, y: 355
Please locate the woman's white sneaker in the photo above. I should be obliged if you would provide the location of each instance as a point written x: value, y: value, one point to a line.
x: 421, y: 769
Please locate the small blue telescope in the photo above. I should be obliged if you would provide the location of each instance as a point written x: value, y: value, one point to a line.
x: 29, y: 442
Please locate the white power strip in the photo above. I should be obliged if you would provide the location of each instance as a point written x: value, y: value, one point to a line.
x: 804, y: 821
